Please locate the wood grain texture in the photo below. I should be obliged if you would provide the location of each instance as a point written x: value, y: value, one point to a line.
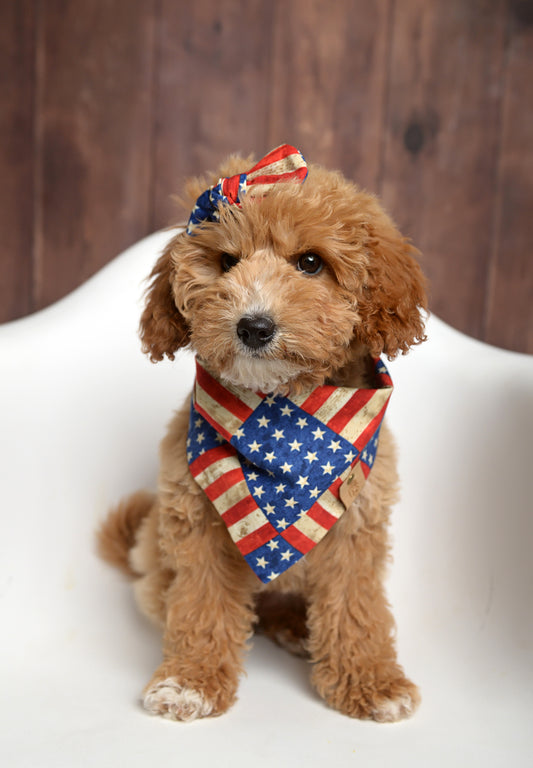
x: 94, y: 81
x: 442, y: 138
x: 509, y: 318
x: 17, y: 58
x: 212, y: 94
x: 329, y: 79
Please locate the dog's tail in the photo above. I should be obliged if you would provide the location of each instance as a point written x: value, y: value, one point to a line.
x: 117, y: 534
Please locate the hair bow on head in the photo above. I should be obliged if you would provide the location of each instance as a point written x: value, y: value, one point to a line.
x: 283, y: 164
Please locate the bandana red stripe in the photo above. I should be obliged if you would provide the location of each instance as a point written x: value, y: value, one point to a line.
x: 256, y: 539
x: 204, y: 461
x: 224, y: 483
x: 367, y: 433
x: 316, y: 399
x: 239, y: 510
x: 359, y: 399
x: 298, y: 540
x: 321, y: 516
x: 219, y: 393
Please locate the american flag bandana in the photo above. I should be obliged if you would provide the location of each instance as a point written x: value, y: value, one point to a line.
x: 283, y: 164
x: 281, y: 470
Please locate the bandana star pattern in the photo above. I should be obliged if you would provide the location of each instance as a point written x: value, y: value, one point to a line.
x: 273, y: 466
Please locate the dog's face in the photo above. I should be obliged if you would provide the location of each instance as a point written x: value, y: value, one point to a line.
x: 284, y: 291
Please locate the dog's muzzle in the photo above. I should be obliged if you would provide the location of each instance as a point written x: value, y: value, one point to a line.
x: 256, y: 331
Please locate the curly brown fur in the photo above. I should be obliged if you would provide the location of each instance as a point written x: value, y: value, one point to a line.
x: 117, y: 534
x: 162, y: 329
x: 192, y: 580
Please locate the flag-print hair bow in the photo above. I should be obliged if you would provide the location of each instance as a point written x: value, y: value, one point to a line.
x: 283, y: 164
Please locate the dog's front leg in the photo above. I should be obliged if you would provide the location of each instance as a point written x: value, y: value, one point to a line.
x: 209, y: 619
x: 351, y: 627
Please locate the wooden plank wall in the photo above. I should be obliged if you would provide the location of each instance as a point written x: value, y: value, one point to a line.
x: 107, y: 105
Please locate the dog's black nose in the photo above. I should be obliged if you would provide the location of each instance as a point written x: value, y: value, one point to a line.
x: 256, y: 331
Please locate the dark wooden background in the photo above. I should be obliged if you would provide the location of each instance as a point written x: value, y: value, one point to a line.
x: 106, y: 105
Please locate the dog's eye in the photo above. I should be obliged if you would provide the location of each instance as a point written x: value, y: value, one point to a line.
x: 227, y: 261
x: 310, y: 263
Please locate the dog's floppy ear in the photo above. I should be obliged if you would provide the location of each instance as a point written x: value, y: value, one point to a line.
x: 163, y: 329
x: 393, y: 295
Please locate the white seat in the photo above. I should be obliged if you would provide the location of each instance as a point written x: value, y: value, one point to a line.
x: 81, y: 415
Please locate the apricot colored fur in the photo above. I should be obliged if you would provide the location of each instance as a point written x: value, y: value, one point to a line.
x: 190, y: 578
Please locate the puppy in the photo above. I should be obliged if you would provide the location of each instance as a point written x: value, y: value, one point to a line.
x: 288, y: 284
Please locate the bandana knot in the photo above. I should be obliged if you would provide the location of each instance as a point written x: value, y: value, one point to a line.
x: 284, y: 164
x: 281, y: 471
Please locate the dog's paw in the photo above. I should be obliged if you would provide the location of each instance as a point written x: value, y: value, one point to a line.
x: 176, y: 702
x: 397, y: 704
x: 385, y: 700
